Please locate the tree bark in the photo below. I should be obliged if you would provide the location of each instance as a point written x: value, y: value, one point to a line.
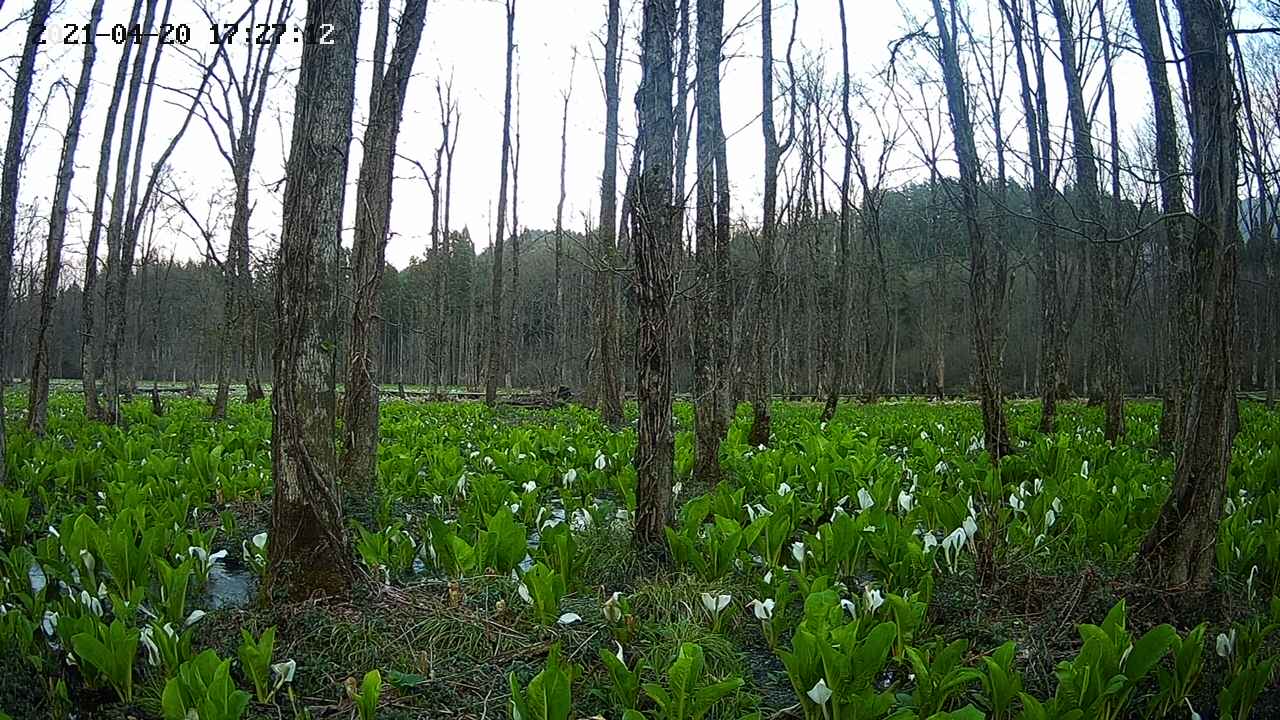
x: 1052, y: 334
x: 1179, y: 550
x: 252, y: 96
x: 38, y: 400
x: 607, y: 392
x: 9, y: 192
x: 557, y: 325
x: 496, y: 324
x: 766, y: 279
x: 708, y: 395
x: 308, y: 550
x: 840, y: 329
x: 984, y: 310
x: 655, y: 240
x: 89, y: 342
x: 513, y: 337
x: 1100, y: 251
x: 121, y: 235
x: 1181, y: 312
x: 359, y: 462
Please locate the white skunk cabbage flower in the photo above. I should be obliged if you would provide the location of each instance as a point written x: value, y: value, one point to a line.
x: 715, y: 604
x: 906, y: 501
x: 865, y: 501
x: 849, y: 606
x: 569, y: 618
x: 951, y: 546
x: 763, y: 609
x: 1226, y: 643
x: 193, y: 618
x: 873, y: 598
x: 600, y: 461
x: 153, y: 651
x: 284, y: 671
x: 819, y: 693
x: 91, y: 603
x: 612, y: 610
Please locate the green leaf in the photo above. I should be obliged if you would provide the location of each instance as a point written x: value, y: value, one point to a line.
x: 1149, y: 650
x: 707, y: 697
x: 968, y: 712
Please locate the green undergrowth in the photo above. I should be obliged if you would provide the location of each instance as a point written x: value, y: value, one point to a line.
x: 496, y: 565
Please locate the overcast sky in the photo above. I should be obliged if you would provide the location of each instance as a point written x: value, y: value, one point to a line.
x: 465, y: 39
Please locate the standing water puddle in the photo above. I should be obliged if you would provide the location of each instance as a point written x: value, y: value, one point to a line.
x: 231, y: 585
x: 36, y: 575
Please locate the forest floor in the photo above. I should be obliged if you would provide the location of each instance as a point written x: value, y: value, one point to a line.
x: 447, y: 631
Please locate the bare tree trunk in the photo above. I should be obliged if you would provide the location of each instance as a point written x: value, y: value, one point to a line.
x: 1179, y: 550
x: 228, y: 331
x: 683, y: 124
x: 984, y: 311
x: 450, y: 116
x: 1102, y: 253
x: 1035, y: 113
x: 558, y: 324
x: 708, y: 393
x: 1272, y: 318
x: 607, y: 393
x: 225, y: 335
x: 766, y: 281
x: 252, y: 99
x: 89, y: 342
x: 655, y: 241
x: 359, y: 462
x: 127, y: 232
x: 1273, y: 328
x: 839, y: 346
x: 938, y: 290
x: 437, y: 252
x: 308, y: 551
x: 513, y: 338
x: 121, y: 366
x: 723, y: 285
x: 38, y: 402
x: 1115, y: 300
x: 113, y: 301
x: 496, y: 324
x: 9, y: 192
x: 1181, y: 319
x: 1263, y: 224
